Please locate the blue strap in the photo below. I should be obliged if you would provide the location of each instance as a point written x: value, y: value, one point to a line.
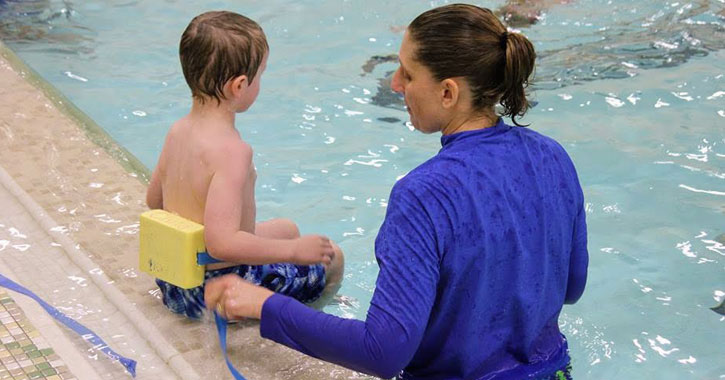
x: 81, y: 330
x: 221, y: 328
x: 203, y: 258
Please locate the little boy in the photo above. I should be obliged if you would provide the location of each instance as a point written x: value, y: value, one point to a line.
x: 205, y: 172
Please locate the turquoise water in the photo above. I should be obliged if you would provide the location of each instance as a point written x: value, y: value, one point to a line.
x: 635, y: 91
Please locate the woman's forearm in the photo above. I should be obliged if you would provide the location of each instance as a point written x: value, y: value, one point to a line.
x: 380, y: 346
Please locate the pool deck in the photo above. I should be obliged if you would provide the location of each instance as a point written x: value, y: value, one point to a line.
x: 27, y: 328
x: 70, y: 196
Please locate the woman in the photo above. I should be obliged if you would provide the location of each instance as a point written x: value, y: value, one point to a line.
x: 481, y: 245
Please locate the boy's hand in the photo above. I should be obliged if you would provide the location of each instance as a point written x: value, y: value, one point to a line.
x: 312, y: 249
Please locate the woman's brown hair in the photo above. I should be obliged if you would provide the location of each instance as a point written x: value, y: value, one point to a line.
x: 461, y: 40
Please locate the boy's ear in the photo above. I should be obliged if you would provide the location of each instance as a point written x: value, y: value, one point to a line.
x: 238, y: 84
x: 450, y: 92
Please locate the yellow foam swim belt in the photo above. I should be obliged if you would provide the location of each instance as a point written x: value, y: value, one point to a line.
x: 172, y: 249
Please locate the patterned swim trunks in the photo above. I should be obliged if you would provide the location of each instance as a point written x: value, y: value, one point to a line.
x: 302, y: 282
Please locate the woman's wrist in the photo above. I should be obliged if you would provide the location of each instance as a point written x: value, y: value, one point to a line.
x: 234, y: 298
x: 264, y: 295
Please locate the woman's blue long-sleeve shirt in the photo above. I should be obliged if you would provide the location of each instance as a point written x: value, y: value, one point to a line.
x: 480, y: 248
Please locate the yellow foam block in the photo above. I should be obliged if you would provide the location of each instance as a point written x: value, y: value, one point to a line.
x: 169, y: 248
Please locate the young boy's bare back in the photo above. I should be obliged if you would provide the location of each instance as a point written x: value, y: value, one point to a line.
x: 197, y: 152
x: 206, y: 174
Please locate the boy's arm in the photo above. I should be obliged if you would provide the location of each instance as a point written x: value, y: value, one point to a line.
x: 223, y: 214
x: 154, y: 196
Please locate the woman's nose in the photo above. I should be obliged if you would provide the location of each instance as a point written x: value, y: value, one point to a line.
x: 396, y: 84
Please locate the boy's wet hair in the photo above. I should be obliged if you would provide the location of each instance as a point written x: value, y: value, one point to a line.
x: 461, y: 40
x: 217, y: 47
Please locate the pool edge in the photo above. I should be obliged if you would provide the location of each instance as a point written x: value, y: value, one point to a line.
x: 92, y: 130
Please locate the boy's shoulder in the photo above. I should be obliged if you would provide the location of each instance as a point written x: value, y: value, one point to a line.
x: 237, y: 149
x: 175, y: 129
x: 230, y: 149
x: 210, y: 146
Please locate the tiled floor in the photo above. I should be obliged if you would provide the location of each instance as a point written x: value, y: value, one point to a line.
x: 24, y: 353
x: 33, y: 258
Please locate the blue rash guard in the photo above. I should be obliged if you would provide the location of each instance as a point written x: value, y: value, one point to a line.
x: 481, y: 247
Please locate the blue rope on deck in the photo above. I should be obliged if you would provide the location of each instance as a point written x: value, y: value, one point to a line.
x: 81, y: 330
x: 221, y: 328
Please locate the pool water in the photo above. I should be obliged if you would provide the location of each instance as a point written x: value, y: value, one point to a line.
x: 634, y: 90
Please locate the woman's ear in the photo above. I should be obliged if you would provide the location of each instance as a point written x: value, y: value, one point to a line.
x: 451, y: 93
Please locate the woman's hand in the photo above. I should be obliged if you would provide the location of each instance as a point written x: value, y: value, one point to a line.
x: 233, y: 298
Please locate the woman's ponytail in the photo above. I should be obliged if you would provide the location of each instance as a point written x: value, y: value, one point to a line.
x: 518, y: 65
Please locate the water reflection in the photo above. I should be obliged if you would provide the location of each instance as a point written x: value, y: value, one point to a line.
x: 524, y: 13
x: 720, y: 309
x: 667, y: 38
x: 26, y: 21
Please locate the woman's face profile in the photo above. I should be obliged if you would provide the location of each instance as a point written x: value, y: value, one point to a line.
x: 422, y: 93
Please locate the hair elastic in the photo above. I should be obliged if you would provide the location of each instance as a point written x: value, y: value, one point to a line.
x: 503, y: 40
